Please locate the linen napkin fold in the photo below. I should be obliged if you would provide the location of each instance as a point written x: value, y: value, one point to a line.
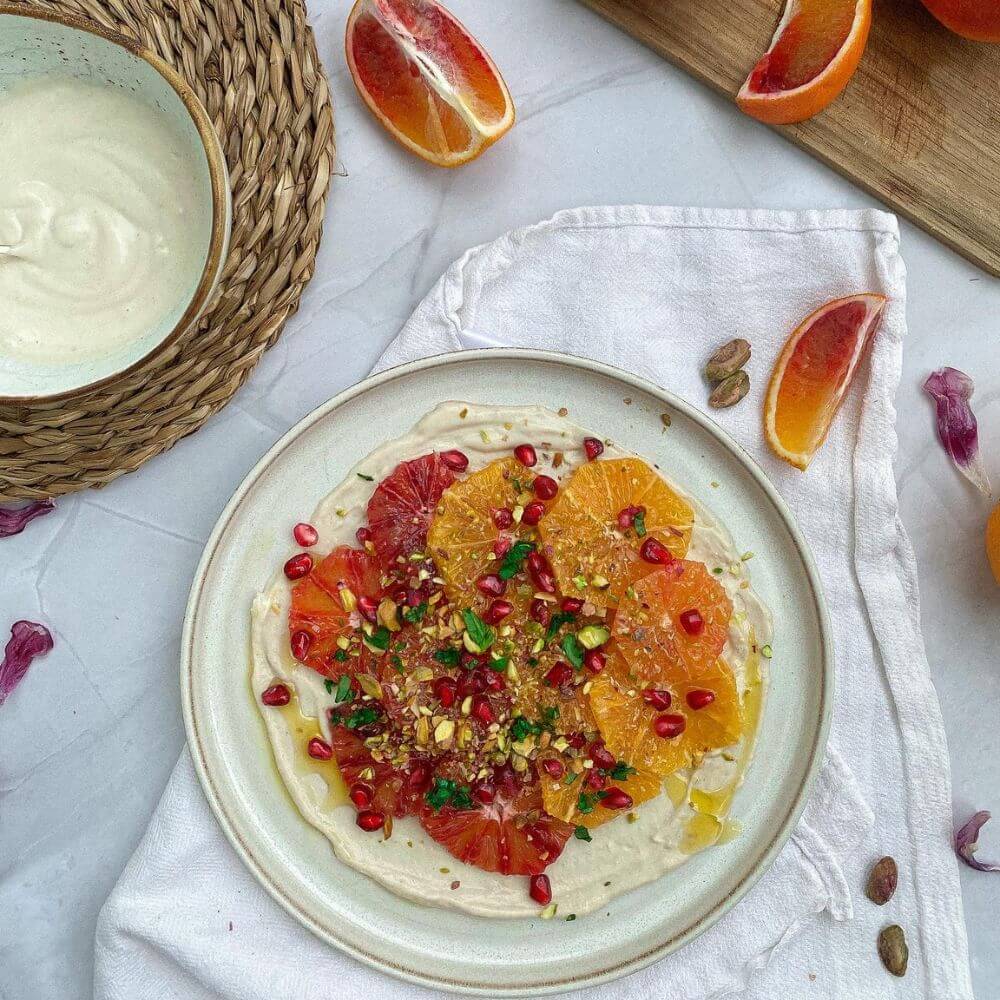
x: 653, y: 290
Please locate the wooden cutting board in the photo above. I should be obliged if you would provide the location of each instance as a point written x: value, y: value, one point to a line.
x: 918, y: 126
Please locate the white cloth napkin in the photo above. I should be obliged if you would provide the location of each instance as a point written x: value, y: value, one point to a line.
x: 653, y: 290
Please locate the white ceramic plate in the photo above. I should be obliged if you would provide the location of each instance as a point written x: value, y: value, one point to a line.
x: 443, y: 948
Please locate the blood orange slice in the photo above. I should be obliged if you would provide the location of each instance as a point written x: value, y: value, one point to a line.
x: 321, y: 608
x: 426, y: 79
x: 813, y: 373
x: 975, y: 19
x: 390, y: 793
x: 512, y: 835
x: 812, y: 57
x: 592, y: 556
x: 400, y: 509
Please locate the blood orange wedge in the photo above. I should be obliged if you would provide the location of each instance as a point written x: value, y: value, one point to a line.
x: 426, y: 79
x: 592, y: 556
x: 400, y: 509
x: 813, y: 372
x: 462, y: 532
x: 571, y: 799
x: 322, y: 609
x: 813, y: 55
x: 629, y: 724
x: 391, y: 795
x: 975, y: 19
x: 512, y: 835
x: 673, y: 623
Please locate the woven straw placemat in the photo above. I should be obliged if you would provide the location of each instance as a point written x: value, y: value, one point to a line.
x: 253, y: 64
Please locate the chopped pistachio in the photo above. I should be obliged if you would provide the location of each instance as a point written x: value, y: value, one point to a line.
x: 592, y: 636
x: 444, y: 731
x: 549, y: 912
x: 766, y: 651
x: 347, y: 600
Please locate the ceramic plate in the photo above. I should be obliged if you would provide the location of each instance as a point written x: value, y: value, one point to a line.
x: 443, y: 948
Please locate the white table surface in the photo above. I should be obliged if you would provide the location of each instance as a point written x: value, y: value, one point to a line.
x: 88, y: 740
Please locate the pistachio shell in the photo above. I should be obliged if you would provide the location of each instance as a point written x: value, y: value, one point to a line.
x: 892, y: 949
x: 727, y: 360
x: 730, y: 391
x: 882, y: 881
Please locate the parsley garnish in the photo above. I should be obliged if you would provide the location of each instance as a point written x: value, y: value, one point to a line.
x: 585, y: 803
x: 514, y: 559
x: 520, y: 727
x: 397, y: 662
x: 582, y: 833
x: 621, y: 771
x: 328, y: 684
x: 340, y: 656
x: 549, y: 716
x: 367, y: 479
x: 414, y: 615
x: 571, y: 777
x: 445, y: 791
x: 558, y: 620
x: 379, y: 639
x: 343, y: 692
x: 573, y: 650
x: 363, y: 716
x: 516, y: 483
x: 639, y: 523
x: 499, y: 664
x: 480, y: 633
x: 449, y: 657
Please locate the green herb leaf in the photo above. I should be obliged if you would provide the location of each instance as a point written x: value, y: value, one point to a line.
x: 343, y: 692
x: 340, y: 656
x: 449, y: 657
x: 363, y: 716
x: 513, y: 561
x: 397, y: 662
x: 582, y: 833
x: 585, y: 803
x: 379, y: 639
x: 520, y: 727
x: 440, y: 794
x: 639, y: 523
x: 573, y: 650
x: 571, y: 777
x: 621, y: 771
x: 480, y: 633
x: 549, y: 716
x: 558, y: 620
x: 499, y: 664
x: 328, y: 684
x: 367, y: 479
x: 415, y: 615
x: 462, y: 799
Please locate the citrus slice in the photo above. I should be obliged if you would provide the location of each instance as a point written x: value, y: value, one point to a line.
x: 672, y: 624
x: 813, y: 373
x: 322, y: 609
x: 975, y: 19
x: 462, y: 531
x: 813, y: 55
x: 563, y: 800
x: 390, y: 794
x: 511, y: 835
x: 593, y: 557
x: 628, y: 723
x: 993, y: 542
x: 400, y: 509
x: 426, y: 79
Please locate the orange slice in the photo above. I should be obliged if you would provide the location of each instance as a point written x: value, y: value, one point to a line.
x: 813, y: 372
x: 562, y: 797
x: 581, y: 534
x: 462, y: 532
x: 426, y: 79
x: 813, y: 55
x: 975, y: 19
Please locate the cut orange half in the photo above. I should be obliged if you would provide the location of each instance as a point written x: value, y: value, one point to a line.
x: 426, y: 79
x: 814, y: 371
x: 813, y: 55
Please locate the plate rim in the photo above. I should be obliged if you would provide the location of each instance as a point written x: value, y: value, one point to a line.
x: 416, y: 976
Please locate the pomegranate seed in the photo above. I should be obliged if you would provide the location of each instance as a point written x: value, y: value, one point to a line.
x: 298, y: 566
x: 482, y: 710
x: 595, y: 661
x: 414, y: 598
x: 419, y: 778
x: 615, y: 798
x: 541, y: 572
x: 502, y: 546
x: 319, y: 749
x: 503, y: 517
x: 669, y: 726
x: 595, y: 781
x: 538, y: 611
x: 368, y: 607
x: 654, y: 551
x: 300, y: 643
x: 572, y: 604
x: 576, y: 740
x: 305, y: 534
x: 506, y: 780
x: 593, y: 447
x: 491, y: 585
x: 361, y: 795
x: 455, y: 459
x: 692, y: 622
x: 559, y: 674
x: 370, y: 820
x: 399, y: 595
x: 363, y: 535
x: 533, y: 513
x: 484, y: 792
x: 276, y: 695
x: 494, y: 680
x: 540, y: 889
x: 553, y: 768
x: 526, y: 455
x: 497, y: 611
x: 601, y: 755
x: 658, y: 698
x: 445, y: 690
x: 700, y: 699
x: 627, y: 516
x: 545, y: 487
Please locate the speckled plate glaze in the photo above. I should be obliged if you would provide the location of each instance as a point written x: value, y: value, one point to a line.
x: 445, y: 949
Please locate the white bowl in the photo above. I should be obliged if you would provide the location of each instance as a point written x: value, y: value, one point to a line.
x: 37, y: 43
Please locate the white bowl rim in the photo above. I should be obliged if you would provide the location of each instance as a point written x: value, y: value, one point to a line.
x: 765, y: 858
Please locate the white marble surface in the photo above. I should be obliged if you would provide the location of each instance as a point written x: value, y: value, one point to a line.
x: 87, y: 741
